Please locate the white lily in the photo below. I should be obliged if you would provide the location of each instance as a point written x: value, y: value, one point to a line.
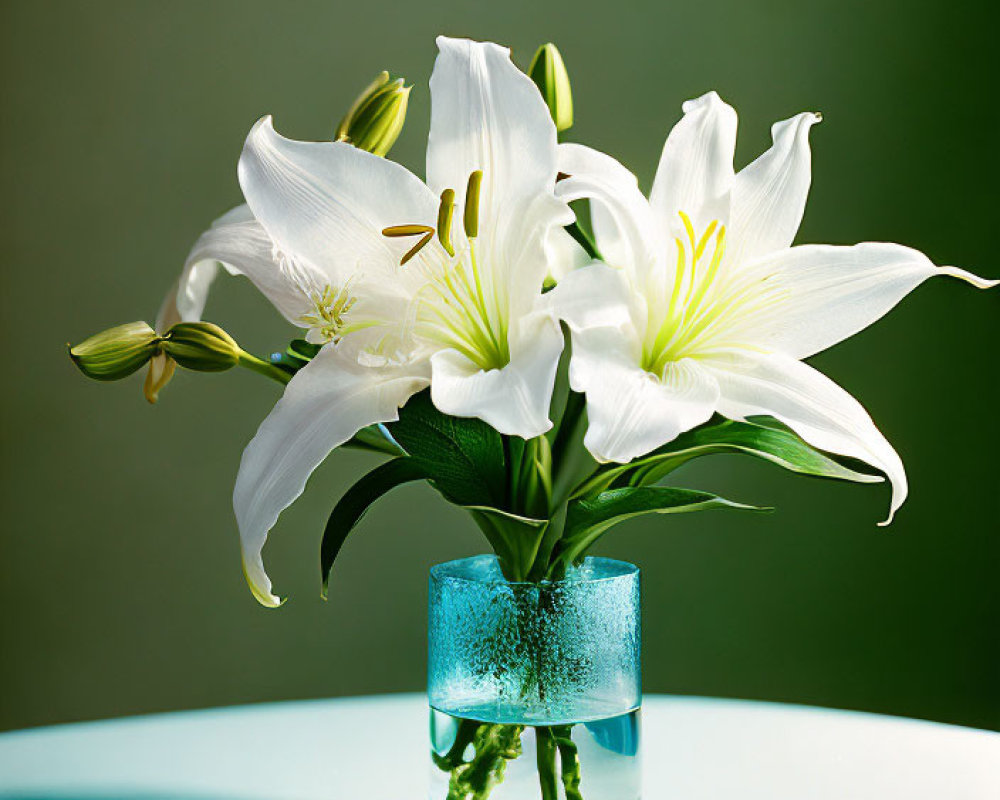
x: 326, y: 231
x: 703, y: 305
x: 233, y: 239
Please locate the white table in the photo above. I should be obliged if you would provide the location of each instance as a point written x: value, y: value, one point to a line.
x: 694, y: 749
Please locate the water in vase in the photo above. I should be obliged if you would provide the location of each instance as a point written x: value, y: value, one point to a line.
x: 596, y: 759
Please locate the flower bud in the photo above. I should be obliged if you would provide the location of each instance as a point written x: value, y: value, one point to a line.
x: 201, y: 346
x: 548, y: 72
x: 376, y: 119
x: 117, y: 352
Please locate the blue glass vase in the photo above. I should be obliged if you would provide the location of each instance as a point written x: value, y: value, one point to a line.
x: 534, y: 688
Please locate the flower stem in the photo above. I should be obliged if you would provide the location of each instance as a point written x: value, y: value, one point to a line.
x: 575, y: 403
x: 254, y: 364
x: 494, y: 745
x: 545, y: 757
x: 574, y: 230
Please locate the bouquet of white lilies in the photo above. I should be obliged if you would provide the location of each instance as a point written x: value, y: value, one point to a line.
x: 544, y: 369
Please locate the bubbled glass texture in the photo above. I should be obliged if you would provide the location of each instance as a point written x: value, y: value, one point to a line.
x: 558, y: 652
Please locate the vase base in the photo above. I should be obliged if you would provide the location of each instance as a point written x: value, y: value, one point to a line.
x: 593, y: 760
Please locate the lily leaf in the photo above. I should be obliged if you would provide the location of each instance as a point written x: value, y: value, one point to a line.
x: 515, y: 539
x: 375, y: 438
x: 356, y: 501
x: 761, y: 437
x: 587, y: 519
x: 463, y: 458
x: 298, y: 353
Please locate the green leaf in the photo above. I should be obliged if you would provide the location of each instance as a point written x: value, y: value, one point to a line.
x: 463, y: 458
x: 515, y: 539
x: 302, y: 350
x: 356, y: 501
x: 762, y: 438
x: 298, y: 353
x: 375, y: 438
x: 587, y: 519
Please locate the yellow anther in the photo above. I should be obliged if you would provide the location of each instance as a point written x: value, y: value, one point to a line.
x: 445, y: 212
x: 406, y: 230
x: 330, y: 306
x: 471, y: 216
x: 417, y: 247
x: 426, y: 232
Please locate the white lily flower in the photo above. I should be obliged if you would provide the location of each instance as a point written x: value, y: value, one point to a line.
x: 405, y: 283
x: 232, y: 239
x: 703, y: 305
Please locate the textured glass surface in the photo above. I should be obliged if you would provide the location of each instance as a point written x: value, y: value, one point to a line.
x: 555, y: 653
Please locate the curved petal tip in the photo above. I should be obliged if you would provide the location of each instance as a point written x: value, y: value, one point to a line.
x: 968, y: 277
x: 708, y: 99
x: 260, y: 586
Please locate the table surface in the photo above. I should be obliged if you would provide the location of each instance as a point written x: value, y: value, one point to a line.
x: 693, y: 748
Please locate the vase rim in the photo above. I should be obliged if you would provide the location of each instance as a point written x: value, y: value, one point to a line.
x: 485, y: 569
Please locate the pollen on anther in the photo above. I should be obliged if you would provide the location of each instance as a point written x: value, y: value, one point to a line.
x: 417, y: 247
x: 396, y: 231
x: 424, y: 231
x: 445, y: 212
x: 471, y: 215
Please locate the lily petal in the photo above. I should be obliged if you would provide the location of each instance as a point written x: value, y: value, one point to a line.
x: 595, y: 296
x: 520, y: 262
x: 563, y: 253
x: 243, y: 247
x: 695, y: 174
x: 324, y: 405
x: 769, y: 195
x: 514, y: 399
x: 488, y: 115
x: 326, y: 203
x: 625, y: 229
x: 630, y: 412
x: 826, y: 294
x: 185, y: 302
x: 812, y: 405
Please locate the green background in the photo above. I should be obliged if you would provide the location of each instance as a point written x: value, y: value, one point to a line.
x: 119, y: 568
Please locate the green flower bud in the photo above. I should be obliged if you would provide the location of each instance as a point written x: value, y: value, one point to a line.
x: 117, y: 352
x: 376, y: 119
x: 548, y: 72
x: 201, y: 346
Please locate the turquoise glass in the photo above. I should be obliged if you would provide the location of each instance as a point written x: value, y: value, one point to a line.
x: 534, y: 688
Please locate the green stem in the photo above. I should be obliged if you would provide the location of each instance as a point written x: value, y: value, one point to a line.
x: 545, y: 757
x: 583, y: 239
x: 494, y: 746
x: 509, y: 489
x: 569, y: 760
x: 463, y: 738
x: 254, y: 364
x: 575, y: 403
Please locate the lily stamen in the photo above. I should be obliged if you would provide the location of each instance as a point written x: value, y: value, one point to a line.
x: 395, y: 231
x: 471, y: 215
x: 445, y: 212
